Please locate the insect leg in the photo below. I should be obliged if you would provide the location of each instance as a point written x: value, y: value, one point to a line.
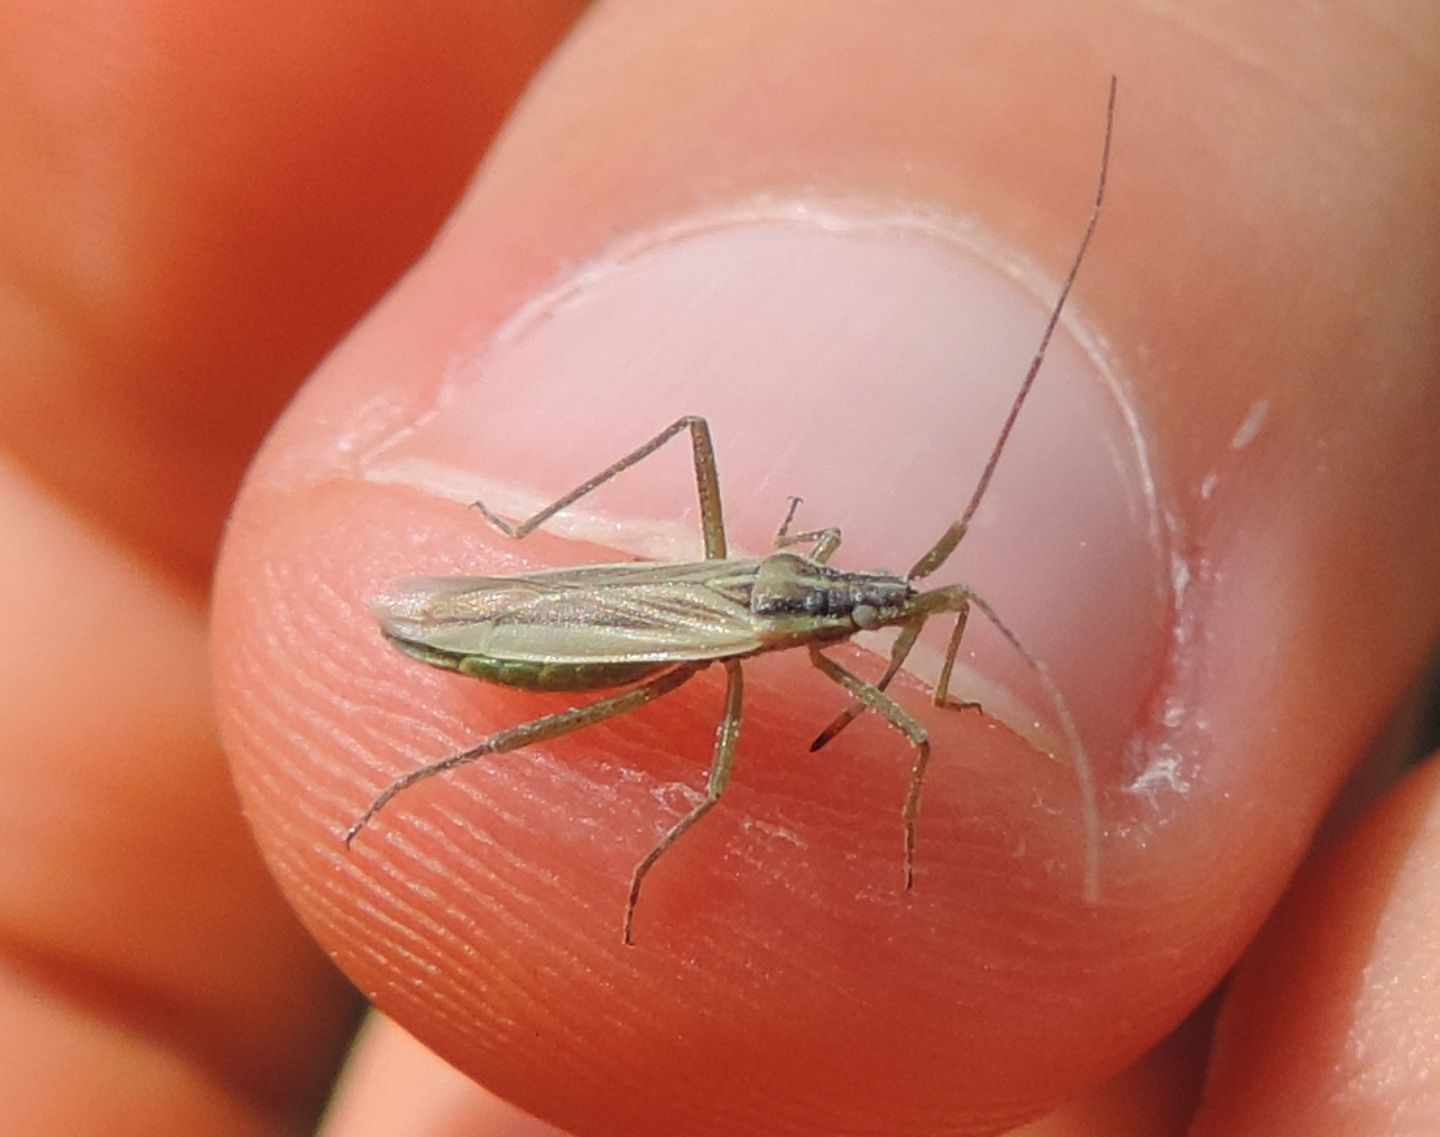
x: 783, y: 532
x: 942, y: 696
x: 954, y: 599
x: 898, y: 717
x: 725, y: 741
x: 898, y: 653
x: 526, y: 734
x: 938, y: 553
x: 826, y: 540
x: 707, y: 487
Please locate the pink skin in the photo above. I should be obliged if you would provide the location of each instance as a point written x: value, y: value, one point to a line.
x: 1330, y: 1024
x: 787, y: 899
x: 1262, y: 295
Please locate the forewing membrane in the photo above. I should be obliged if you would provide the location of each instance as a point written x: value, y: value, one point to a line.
x: 596, y: 614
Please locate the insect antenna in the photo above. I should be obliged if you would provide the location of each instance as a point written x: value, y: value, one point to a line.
x: 940, y: 552
x: 934, y: 557
x: 1079, y: 756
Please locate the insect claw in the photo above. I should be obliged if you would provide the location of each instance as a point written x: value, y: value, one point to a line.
x: 951, y: 703
x: 495, y: 519
x: 360, y: 822
x: 839, y: 723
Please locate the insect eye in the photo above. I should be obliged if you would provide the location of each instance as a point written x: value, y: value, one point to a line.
x: 864, y: 616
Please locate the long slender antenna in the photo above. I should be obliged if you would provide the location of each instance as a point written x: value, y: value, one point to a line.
x: 1050, y: 326
x: 1079, y: 756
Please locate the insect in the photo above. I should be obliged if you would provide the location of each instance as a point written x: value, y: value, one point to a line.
x: 644, y: 630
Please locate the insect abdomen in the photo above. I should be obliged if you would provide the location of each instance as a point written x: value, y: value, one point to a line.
x: 531, y: 676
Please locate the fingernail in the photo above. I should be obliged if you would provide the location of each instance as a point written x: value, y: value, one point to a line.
x: 862, y: 359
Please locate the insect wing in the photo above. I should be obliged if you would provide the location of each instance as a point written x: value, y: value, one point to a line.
x: 594, y: 614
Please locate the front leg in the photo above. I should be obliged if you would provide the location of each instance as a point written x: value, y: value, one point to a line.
x: 826, y: 540
x: 898, y: 654
x: 901, y: 719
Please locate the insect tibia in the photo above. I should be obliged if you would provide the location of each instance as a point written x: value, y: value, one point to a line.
x: 783, y: 532
x: 707, y: 486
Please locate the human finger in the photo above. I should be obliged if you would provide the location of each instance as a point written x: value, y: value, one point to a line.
x: 1194, y: 618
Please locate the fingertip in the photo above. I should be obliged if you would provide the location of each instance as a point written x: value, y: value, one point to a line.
x: 862, y: 351
x: 822, y: 336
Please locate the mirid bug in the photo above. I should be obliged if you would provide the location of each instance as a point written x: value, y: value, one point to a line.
x: 646, y: 629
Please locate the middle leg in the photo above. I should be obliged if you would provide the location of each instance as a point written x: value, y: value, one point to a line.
x: 726, y: 739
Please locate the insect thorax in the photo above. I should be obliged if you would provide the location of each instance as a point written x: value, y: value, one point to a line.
x: 791, y: 585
